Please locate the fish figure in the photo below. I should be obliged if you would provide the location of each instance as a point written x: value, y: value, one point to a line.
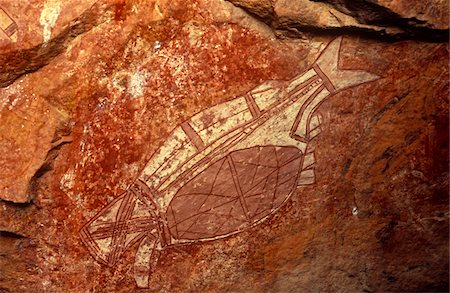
x: 225, y: 170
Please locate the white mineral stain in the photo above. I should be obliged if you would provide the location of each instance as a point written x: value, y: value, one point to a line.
x: 355, y: 211
x: 46, y: 283
x: 137, y: 83
x: 48, y: 18
x: 68, y: 180
x: 13, y: 103
x: 157, y: 45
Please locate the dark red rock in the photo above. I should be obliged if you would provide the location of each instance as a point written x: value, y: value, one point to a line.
x: 82, y: 115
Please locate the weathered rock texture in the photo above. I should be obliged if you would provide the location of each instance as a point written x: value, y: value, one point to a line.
x: 91, y: 90
x: 426, y: 20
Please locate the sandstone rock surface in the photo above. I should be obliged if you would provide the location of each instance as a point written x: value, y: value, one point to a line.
x: 94, y: 94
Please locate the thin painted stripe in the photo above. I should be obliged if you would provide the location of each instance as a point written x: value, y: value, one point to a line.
x: 238, y: 187
x: 11, y: 29
x: 300, y: 114
x: 252, y: 106
x: 193, y: 136
x: 303, y: 85
x: 326, y: 81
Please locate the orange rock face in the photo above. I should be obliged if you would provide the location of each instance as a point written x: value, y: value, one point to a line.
x: 223, y: 146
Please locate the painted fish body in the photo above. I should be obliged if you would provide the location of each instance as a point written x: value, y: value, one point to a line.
x: 224, y: 170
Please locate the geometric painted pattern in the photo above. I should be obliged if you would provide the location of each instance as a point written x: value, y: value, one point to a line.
x: 8, y: 26
x: 235, y: 192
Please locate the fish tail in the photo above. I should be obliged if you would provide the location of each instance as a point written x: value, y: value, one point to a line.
x: 117, y: 227
x: 146, y: 259
x: 340, y: 79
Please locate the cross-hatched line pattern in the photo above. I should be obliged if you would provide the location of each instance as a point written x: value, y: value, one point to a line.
x: 234, y: 192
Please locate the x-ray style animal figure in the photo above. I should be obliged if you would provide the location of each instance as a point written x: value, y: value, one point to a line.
x: 225, y: 170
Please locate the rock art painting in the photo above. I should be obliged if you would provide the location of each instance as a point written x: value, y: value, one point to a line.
x: 8, y: 26
x: 224, y: 170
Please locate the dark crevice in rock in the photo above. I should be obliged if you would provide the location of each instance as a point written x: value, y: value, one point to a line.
x: 364, y: 12
x: 45, y: 168
x: 300, y: 30
x: 15, y: 64
x: 370, y: 13
x: 384, y: 234
x: 9, y: 234
x: 17, y: 204
x: 347, y: 165
x: 61, y: 138
x: 387, y: 107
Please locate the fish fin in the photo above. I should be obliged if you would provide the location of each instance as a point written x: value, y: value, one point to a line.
x: 328, y: 63
x: 314, y: 128
x: 309, y: 160
x: 107, y: 235
x: 146, y: 259
x: 307, y: 175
